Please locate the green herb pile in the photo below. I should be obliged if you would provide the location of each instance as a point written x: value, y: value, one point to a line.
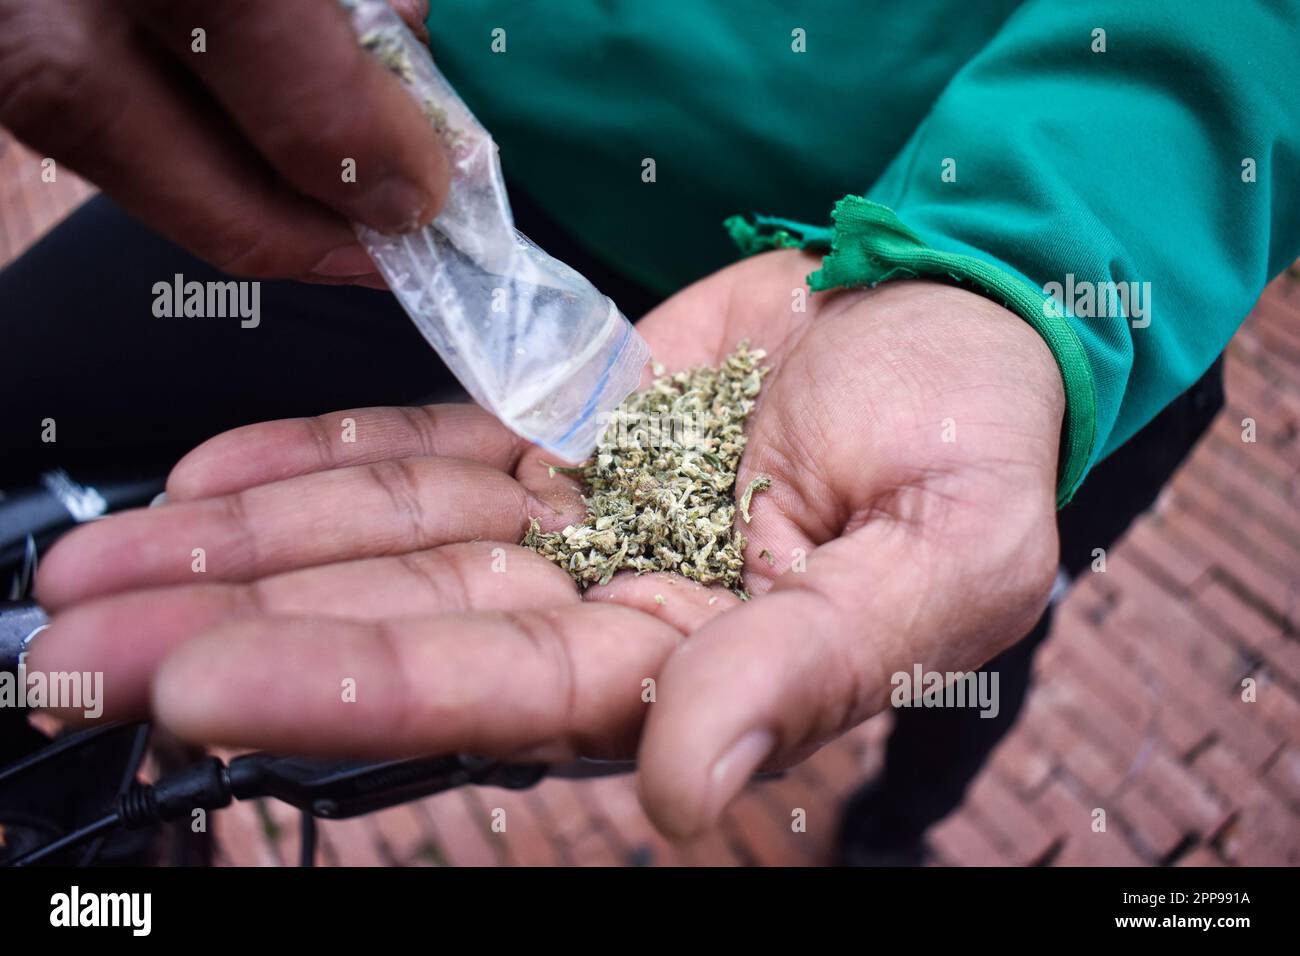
x: 661, y: 486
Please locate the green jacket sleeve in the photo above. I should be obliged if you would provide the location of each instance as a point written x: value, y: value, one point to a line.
x: 1123, y: 175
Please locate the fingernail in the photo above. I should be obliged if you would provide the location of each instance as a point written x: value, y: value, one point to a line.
x: 394, y: 206
x: 415, y: 10
x: 344, y: 262
x: 733, y: 769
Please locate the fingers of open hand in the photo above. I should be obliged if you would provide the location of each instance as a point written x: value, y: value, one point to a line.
x: 274, y: 451
x: 488, y: 682
x: 386, y: 507
x: 126, y: 636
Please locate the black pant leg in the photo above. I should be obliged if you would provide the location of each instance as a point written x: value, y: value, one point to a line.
x: 80, y: 344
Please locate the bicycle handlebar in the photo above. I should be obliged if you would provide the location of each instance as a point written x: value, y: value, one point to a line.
x: 19, y: 623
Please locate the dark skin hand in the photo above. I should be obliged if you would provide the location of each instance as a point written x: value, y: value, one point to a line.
x: 236, y: 152
x: 912, y: 435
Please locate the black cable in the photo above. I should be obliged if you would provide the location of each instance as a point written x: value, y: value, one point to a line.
x: 139, y: 744
x: 56, y: 748
x: 331, y: 788
x: 88, y: 832
x: 307, y: 840
x: 204, y: 784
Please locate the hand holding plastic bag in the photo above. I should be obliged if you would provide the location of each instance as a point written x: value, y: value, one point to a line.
x: 531, y: 340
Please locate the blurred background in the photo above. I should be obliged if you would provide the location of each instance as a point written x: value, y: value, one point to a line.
x: 1137, y: 706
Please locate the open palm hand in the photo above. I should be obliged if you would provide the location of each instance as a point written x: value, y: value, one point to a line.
x: 912, y: 436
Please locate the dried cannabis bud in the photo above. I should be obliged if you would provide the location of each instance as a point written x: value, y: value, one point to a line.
x: 661, y: 485
x: 391, y: 51
x: 761, y: 483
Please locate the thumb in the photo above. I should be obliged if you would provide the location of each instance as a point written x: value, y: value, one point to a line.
x: 760, y: 685
x: 766, y: 684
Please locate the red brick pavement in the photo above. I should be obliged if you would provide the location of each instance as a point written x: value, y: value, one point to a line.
x: 1137, y: 747
x: 29, y: 205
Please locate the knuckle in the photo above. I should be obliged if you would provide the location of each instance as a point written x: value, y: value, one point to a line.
x: 398, y: 480
x: 544, y: 634
x: 237, y: 251
x: 241, y: 256
x: 440, y: 576
x: 421, y: 421
x: 44, y: 68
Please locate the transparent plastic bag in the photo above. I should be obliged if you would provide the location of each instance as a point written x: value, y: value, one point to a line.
x: 531, y: 339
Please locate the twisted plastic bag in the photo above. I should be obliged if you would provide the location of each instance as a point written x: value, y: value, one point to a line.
x: 531, y: 340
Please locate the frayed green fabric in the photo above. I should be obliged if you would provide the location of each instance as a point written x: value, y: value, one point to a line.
x: 762, y: 235
x: 868, y: 244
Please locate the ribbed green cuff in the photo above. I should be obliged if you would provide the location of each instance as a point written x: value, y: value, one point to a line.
x: 868, y: 244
